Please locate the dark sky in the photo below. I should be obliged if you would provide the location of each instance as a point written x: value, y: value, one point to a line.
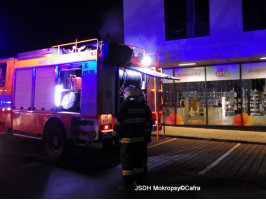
x: 27, y: 25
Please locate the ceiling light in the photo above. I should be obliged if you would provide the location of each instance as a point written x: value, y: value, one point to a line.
x: 187, y: 64
x: 263, y: 58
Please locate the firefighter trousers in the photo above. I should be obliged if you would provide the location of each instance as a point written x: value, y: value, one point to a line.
x: 134, y: 163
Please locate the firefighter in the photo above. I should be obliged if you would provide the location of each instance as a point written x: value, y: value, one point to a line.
x: 133, y: 128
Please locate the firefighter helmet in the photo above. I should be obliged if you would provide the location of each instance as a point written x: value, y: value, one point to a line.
x: 131, y: 91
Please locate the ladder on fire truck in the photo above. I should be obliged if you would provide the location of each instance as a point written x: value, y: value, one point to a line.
x: 158, y: 103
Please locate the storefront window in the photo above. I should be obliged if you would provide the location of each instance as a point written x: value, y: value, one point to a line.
x: 254, y: 94
x: 169, y: 103
x: 169, y: 98
x: 223, y: 95
x: 190, y: 96
x: 232, y: 98
x: 191, y: 106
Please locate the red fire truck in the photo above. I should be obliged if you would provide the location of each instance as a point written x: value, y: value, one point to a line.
x: 72, y: 91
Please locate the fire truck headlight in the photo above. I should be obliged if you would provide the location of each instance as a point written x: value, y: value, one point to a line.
x: 58, y: 93
x: 146, y: 61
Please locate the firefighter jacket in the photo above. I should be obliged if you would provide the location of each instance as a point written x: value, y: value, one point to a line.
x: 134, y: 122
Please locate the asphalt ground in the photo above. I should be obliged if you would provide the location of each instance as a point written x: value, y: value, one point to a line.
x: 191, y: 168
x: 221, y: 169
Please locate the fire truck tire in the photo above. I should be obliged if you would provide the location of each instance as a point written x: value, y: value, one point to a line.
x: 55, y: 141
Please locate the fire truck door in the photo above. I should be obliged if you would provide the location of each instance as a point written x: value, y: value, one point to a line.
x: 22, y: 117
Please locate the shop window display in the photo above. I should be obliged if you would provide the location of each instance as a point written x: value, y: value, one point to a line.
x: 191, y: 103
x: 169, y: 98
x: 190, y: 96
x: 254, y: 94
x: 184, y: 101
x: 234, y: 95
x: 223, y: 94
x: 169, y: 103
x: 224, y: 102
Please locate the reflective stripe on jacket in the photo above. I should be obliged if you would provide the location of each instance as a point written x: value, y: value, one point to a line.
x: 132, y: 140
x: 133, y: 171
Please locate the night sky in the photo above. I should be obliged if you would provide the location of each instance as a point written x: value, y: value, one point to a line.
x: 27, y: 25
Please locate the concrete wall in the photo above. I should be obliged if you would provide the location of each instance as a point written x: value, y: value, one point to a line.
x: 144, y: 27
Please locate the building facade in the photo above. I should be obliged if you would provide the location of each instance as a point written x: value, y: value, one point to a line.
x: 217, y: 49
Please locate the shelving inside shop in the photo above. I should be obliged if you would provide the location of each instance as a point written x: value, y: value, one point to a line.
x: 230, y: 102
x: 254, y: 102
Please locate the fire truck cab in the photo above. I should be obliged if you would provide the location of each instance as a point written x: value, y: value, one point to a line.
x: 69, y: 92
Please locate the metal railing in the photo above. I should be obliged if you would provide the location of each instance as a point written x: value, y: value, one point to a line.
x: 76, y: 49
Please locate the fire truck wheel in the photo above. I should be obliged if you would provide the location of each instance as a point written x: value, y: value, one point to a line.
x: 55, y: 141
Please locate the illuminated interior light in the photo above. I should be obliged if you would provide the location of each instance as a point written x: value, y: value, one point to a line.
x: 69, y: 100
x: 223, y: 106
x: 5, y: 102
x: 263, y: 58
x: 146, y: 60
x: 187, y: 64
x: 58, y: 93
